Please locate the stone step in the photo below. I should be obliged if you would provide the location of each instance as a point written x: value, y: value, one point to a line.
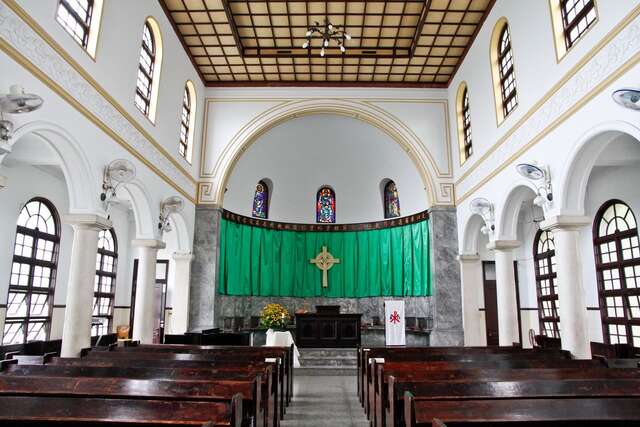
x: 324, y: 371
x: 322, y: 362
x: 328, y: 352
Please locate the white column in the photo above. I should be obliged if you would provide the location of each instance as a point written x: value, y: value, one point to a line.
x: 180, y: 292
x: 506, y: 291
x: 145, y: 309
x: 76, y: 332
x: 471, y: 276
x: 574, y: 333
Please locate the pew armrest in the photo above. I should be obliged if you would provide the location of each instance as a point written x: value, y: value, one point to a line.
x: 7, y: 362
x: 9, y: 355
x: 409, y: 410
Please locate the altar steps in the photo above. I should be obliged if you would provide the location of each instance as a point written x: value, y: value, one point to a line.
x: 327, y: 361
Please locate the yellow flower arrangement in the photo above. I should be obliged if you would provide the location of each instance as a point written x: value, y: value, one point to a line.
x: 274, y: 316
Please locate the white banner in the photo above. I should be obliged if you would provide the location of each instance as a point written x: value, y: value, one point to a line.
x: 394, y: 323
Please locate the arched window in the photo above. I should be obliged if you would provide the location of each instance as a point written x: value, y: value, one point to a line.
x: 33, y: 273
x: 149, y: 69
x: 81, y: 19
x: 187, y: 119
x: 544, y: 254
x: 464, y: 123
x: 104, y: 288
x: 617, y: 253
x: 571, y: 19
x: 391, y: 200
x: 261, y: 200
x: 502, y: 70
x: 326, y: 205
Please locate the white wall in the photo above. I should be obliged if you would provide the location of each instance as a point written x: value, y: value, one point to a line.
x: 303, y: 154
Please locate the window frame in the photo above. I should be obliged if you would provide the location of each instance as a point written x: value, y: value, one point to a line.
x: 185, y: 123
x: 466, y: 124
x: 627, y: 321
x: 33, y: 262
x: 552, y: 277
x: 86, y: 25
x: 149, y: 76
x: 567, y: 26
x: 504, y: 75
x: 100, y: 274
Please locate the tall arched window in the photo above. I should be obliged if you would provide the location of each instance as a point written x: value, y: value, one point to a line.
x: 617, y: 253
x: 81, y: 19
x: 261, y: 200
x: 33, y: 273
x: 464, y: 122
x: 544, y: 254
x: 149, y: 69
x: 326, y: 205
x: 104, y: 288
x: 571, y: 19
x: 391, y: 200
x: 187, y: 119
x: 502, y: 70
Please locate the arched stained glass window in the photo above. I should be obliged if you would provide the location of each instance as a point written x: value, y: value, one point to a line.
x: 104, y: 289
x: 391, y: 200
x: 326, y: 205
x: 33, y: 273
x: 544, y: 254
x: 261, y: 201
x: 617, y: 253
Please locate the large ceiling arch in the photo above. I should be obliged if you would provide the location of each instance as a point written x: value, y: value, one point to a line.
x: 212, y: 190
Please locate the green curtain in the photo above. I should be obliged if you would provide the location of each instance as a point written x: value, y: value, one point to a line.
x: 261, y: 262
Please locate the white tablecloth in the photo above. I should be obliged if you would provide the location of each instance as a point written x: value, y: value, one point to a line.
x: 283, y: 339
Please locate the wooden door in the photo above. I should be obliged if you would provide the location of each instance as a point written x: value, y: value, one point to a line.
x: 134, y: 285
x: 490, y: 301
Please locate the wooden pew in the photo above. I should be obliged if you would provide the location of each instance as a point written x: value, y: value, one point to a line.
x: 371, y: 385
x: 398, y: 382
x: 217, y: 358
x: 45, y: 410
x: 553, y: 410
x: 258, y: 394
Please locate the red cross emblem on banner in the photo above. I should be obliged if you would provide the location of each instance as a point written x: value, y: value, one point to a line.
x: 395, y: 317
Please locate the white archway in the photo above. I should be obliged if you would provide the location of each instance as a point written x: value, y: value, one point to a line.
x: 583, y: 157
x: 398, y: 132
x: 82, y: 183
x: 471, y: 235
x: 509, y: 210
x: 143, y: 211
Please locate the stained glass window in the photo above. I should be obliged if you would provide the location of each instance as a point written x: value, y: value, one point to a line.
x: 261, y: 201
x: 104, y: 289
x: 146, y: 69
x: 544, y: 254
x: 326, y: 205
x: 33, y: 273
x: 391, y: 200
x: 617, y: 249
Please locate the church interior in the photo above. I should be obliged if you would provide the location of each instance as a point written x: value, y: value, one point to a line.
x: 319, y: 213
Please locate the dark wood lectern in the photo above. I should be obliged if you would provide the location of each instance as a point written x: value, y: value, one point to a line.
x: 328, y: 328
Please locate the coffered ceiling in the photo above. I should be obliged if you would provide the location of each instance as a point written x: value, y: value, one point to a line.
x: 394, y: 43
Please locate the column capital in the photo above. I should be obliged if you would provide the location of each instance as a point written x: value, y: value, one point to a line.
x: 565, y: 222
x: 503, y: 245
x: 182, y: 256
x: 148, y: 243
x: 468, y: 257
x: 87, y: 221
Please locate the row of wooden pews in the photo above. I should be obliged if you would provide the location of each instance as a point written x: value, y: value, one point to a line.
x: 150, y: 385
x: 456, y: 386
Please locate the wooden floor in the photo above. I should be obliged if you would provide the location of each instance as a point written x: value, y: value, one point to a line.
x: 325, y: 401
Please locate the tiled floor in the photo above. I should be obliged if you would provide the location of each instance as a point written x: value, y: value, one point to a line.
x: 320, y: 401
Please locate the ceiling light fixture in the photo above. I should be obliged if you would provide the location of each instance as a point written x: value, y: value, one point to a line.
x: 328, y: 32
x: 535, y: 173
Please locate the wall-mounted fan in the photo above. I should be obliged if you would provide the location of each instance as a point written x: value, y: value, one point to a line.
x: 116, y: 173
x: 170, y: 205
x: 628, y: 98
x: 15, y: 102
x: 484, y: 208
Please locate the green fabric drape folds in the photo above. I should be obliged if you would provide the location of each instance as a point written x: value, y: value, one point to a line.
x: 262, y: 262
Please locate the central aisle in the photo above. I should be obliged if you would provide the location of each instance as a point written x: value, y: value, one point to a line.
x: 325, y: 401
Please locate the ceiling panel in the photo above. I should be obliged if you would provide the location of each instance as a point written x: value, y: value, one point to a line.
x: 394, y: 43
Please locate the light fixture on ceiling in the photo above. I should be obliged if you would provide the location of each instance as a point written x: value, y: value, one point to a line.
x: 116, y: 173
x: 170, y: 205
x: 15, y: 102
x: 484, y: 208
x: 535, y: 173
x: 628, y: 98
x: 328, y: 32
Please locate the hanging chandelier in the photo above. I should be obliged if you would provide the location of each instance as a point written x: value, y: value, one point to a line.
x: 328, y: 32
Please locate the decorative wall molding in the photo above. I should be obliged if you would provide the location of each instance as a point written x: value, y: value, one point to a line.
x: 615, y: 54
x: 28, y: 44
x: 288, y: 226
